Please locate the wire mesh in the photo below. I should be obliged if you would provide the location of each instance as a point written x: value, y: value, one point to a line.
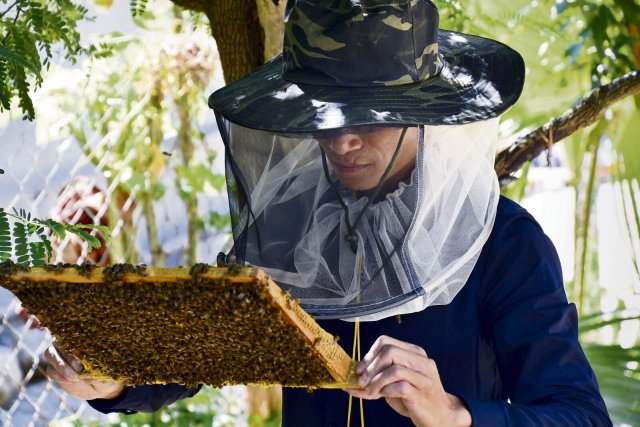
x: 62, y: 181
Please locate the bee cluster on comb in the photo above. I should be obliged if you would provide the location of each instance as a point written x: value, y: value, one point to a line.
x: 204, y: 325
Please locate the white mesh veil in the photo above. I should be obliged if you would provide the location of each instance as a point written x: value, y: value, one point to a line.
x: 416, y: 247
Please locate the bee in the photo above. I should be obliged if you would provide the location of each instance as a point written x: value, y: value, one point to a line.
x: 85, y: 269
x: 233, y: 269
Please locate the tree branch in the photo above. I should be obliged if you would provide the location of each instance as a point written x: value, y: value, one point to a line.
x: 8, y: 9
x: 582, y: 115
x: 15, y: 19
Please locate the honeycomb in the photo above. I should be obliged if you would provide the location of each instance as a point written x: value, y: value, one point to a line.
x: 203, y: 325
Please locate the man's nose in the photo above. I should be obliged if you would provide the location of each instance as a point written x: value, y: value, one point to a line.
x: 343, y: 144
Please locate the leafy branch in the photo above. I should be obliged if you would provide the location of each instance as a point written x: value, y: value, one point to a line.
x: 11, y: 6
x: 28, y: 241
x: 28, y: 31
x: 583, y: 114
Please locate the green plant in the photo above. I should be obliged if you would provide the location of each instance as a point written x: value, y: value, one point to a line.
x: 28, y: 31
x: 137, y: 119
x: 138, y: 7
x: 617, y: 368
x: 210, y: 407
x: 27, y: 239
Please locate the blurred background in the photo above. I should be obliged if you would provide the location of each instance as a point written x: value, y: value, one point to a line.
x: 103, y: 120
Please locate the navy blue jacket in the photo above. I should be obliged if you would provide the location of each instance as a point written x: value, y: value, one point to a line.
x: 507, y: 345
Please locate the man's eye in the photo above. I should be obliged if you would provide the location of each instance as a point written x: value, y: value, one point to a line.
x: 330, y: 134
x: 335, y: 133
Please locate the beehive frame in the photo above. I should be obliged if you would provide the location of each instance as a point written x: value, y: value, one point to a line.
x: 203, y: 325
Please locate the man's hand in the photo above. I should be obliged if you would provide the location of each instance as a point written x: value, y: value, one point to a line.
x: 408, y: 379
x: 67, y: 370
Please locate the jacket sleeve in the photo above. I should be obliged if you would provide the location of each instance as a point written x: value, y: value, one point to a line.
x: 146, y: 398
x: 544, y: 372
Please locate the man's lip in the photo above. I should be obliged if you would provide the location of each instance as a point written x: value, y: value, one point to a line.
x: 349, y: 168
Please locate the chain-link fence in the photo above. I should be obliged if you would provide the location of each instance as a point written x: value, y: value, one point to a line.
x: 69, y: 182
x: 27, y: 398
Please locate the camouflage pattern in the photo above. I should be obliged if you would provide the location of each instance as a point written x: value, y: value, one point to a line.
x: 345, y: 63
x: 389, y: 43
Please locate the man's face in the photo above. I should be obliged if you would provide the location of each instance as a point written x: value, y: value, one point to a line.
x: 360, y: 155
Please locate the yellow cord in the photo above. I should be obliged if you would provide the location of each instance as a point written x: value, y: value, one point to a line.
x: 356, y: 347
x: 360, y: 358
x: 353, y: 358
x: 356, y: 356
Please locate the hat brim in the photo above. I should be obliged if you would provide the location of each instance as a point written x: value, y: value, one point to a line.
x: 480, y: 79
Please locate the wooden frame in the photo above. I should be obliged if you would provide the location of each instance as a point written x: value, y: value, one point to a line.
x: 112, y: 317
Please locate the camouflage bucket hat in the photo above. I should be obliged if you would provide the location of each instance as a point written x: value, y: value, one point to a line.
x: 363, y: 62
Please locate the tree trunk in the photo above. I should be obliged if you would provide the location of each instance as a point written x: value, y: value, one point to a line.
x: 272, y: 20
x: 240, y: 38
x: 246, y: 31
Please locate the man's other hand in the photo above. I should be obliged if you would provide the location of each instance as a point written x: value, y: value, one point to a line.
x: 67, y: 371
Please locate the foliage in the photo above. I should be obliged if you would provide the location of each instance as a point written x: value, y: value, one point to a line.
x: 274, y: 419
x: 218, y: 220
x: 28, y: 241
x: 138, y: 7
x: 570, y: 47
x: 452, y: 15
x: 609, y: 33
x: 618, y: 376
x: 617, y: 368
x: 30, y: 33
x: 29, y: 29
x: 517, y: 190
x: 136, y: 117
x: 210, y: 407
x: 18, y: 241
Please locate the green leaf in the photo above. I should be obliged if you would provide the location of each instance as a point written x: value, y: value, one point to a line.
x: 47, y: 245
x: 32, y: 228
x: 92, y: 241
x: 19, y: 60
x: 5, y: 236
x: 600, y: 320
x: 218, y: 220
x: 37, y: 254
x: 618, y: 374
x: 628, y: 145
x: 21, y: 246
x: 23, y: 259
x: 517, y: 189
x: 59, y: 230
x: 106, y: 232
x: 104, y: 3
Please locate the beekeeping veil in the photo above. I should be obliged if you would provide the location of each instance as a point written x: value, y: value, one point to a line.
x: 348, y: 64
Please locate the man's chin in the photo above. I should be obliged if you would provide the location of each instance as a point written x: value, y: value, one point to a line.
x: 356, y: 184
